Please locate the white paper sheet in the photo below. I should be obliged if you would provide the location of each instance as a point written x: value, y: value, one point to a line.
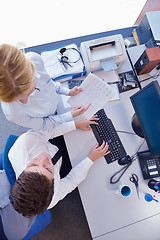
x: 108, y: 65
x: 95, y: 91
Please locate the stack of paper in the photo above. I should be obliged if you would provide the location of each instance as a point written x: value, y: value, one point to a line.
x: 59, y: 70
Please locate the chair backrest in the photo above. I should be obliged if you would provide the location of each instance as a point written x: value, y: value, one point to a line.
x: 42, y: 220
x: 7, y: 166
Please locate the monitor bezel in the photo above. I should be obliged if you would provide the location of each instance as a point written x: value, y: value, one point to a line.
x: 157, y: 90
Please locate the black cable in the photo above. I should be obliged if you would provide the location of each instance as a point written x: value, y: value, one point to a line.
x: 126, y: 132
x: 139, y: 85
x: 124, y: 169
x: 154, y: 77
x: 140, y: 146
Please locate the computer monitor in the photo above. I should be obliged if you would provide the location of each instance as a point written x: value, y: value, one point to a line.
x: 146, y: 103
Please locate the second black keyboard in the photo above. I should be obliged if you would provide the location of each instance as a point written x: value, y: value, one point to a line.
x: 105, y: 130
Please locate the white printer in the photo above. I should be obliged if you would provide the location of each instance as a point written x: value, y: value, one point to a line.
x: 102, y: 50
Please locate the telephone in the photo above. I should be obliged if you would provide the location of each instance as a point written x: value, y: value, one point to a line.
x: 150, y: 164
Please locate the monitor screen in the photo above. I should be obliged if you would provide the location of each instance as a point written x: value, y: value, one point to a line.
x: 146, y: 103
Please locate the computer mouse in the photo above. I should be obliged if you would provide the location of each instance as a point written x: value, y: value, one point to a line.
x: 124, y: 160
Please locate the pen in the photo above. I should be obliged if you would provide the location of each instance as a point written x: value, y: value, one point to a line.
x: 111, y: 82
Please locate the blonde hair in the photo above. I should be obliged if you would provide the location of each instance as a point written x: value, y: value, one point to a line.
x: 16, y: 73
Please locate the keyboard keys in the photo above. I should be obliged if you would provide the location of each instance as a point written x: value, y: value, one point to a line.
x: 106, y: 131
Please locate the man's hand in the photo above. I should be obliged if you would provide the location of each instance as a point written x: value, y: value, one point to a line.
x: 74, y: 91
x: 78, y: 110
x: 84, y: 123
x: 99, y: 151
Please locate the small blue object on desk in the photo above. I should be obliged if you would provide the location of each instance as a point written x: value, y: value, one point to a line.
x: 155, y: 185
x: 148, y: 197
x: 125, y: 191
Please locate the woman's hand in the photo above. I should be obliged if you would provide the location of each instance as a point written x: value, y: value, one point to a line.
x: 84, y: 123
x: 78, y: 110
x: 74, y: 91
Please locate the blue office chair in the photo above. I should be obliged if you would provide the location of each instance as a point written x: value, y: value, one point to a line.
x: 42, y: 220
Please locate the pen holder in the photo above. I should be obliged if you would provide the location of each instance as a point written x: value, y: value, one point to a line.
x: 154, y: 185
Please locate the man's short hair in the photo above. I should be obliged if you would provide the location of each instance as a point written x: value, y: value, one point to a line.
x: 31, y: 193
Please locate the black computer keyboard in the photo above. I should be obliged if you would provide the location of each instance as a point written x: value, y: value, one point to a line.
x: 106, y: 131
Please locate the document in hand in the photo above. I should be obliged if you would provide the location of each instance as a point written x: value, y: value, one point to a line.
x: 94, y: 91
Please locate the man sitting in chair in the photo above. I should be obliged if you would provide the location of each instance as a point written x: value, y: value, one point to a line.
x: 38, y: 185
x: 12, y: 224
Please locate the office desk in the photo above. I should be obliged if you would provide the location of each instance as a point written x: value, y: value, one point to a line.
x: 110, y: 216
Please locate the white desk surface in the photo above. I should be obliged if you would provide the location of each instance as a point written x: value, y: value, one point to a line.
x: 112, y: 217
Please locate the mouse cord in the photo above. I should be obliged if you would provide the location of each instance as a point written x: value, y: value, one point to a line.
x: 122, y: 171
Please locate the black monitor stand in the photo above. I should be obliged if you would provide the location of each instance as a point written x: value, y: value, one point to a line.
x: 136, y: 126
